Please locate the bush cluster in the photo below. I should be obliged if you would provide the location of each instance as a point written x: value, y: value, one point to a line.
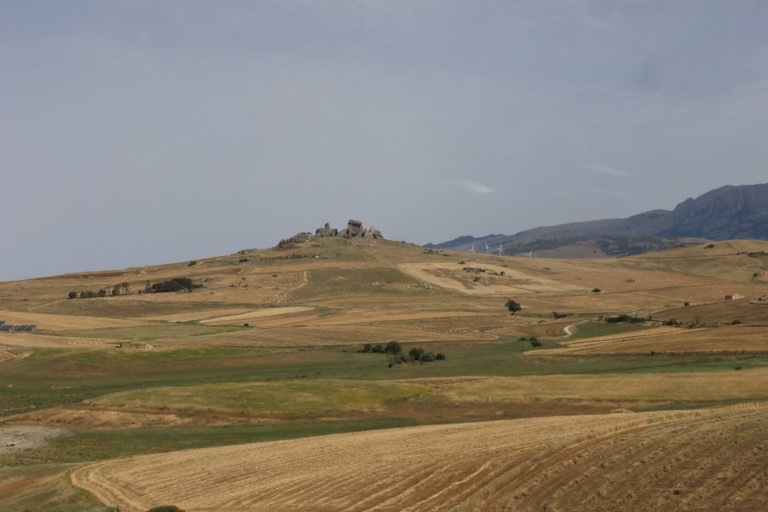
x: 176, y: 284
x: 395, y: 349
x: 624, y: 318
x: 533, y: 339
x: 173, y: 285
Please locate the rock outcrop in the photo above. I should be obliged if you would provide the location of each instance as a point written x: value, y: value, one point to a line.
x: 354, y: 229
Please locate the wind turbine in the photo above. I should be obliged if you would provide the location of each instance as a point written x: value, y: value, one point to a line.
x: 501, y: 249
x: 530, y: 254
x: 487, y: 249
x: 472, y: 250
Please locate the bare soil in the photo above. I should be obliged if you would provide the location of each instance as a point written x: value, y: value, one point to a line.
x: 25, y: 437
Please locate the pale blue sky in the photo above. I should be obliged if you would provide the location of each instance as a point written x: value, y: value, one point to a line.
x: 140, y: 132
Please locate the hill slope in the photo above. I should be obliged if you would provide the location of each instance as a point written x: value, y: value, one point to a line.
x: 271, y: 347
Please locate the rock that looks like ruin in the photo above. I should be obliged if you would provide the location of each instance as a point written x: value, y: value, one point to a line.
x: 354, y: 229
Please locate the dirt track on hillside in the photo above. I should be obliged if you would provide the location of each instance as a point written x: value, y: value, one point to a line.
x: 694, y: 460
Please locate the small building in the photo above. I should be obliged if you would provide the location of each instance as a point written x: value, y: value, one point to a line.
x: 5, y: 327
x: 733, y: 296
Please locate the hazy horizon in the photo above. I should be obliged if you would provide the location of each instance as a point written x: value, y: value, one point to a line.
x: 137, y: 133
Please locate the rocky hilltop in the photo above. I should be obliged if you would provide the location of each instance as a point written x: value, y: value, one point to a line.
x: 354, y: 229
x: 729, y: 212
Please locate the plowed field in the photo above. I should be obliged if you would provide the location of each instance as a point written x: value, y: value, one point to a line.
x: 695, y: 460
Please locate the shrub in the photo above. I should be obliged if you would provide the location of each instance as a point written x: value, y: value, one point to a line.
x: 427, y: 357
x: 596, y: 290
x: 415, y: 353
x: 439, y: 356
x: 513, y: 306
x: 166, y: 508
x: 73, y: 295
x: 377, y: 349
x: 367, y: 348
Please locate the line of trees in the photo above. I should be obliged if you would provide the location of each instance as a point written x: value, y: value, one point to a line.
x: 118, y: 289
x: 395, y: 350
x: 176, y: 284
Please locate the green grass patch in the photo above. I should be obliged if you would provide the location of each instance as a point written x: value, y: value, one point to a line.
x: 596, y: 329
x: 287, y: 398
x: 93, y: 445
x: 54, y: 377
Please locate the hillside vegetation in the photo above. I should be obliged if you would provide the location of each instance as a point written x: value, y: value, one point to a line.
x: 627, y: 383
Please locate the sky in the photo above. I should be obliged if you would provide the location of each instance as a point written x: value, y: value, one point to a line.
x: 138, y: 132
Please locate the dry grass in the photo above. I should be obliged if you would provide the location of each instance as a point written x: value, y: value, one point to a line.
x: 675, y: 387
x: 660, y: 340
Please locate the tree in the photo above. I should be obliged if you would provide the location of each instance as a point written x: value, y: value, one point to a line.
x: 513, y: 306
x: 393, y: 347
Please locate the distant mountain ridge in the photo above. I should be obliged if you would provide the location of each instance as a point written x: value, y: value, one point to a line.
x: 729, y: 212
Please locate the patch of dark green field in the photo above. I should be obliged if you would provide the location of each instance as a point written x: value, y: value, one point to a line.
x: 93, y: 445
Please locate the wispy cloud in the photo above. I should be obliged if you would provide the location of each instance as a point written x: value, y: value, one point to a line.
x: 472, y: 187
x: 606, y: 169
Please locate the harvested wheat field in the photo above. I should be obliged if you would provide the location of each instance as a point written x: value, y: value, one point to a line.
x: 670, y: 339
x: 654, y: 461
